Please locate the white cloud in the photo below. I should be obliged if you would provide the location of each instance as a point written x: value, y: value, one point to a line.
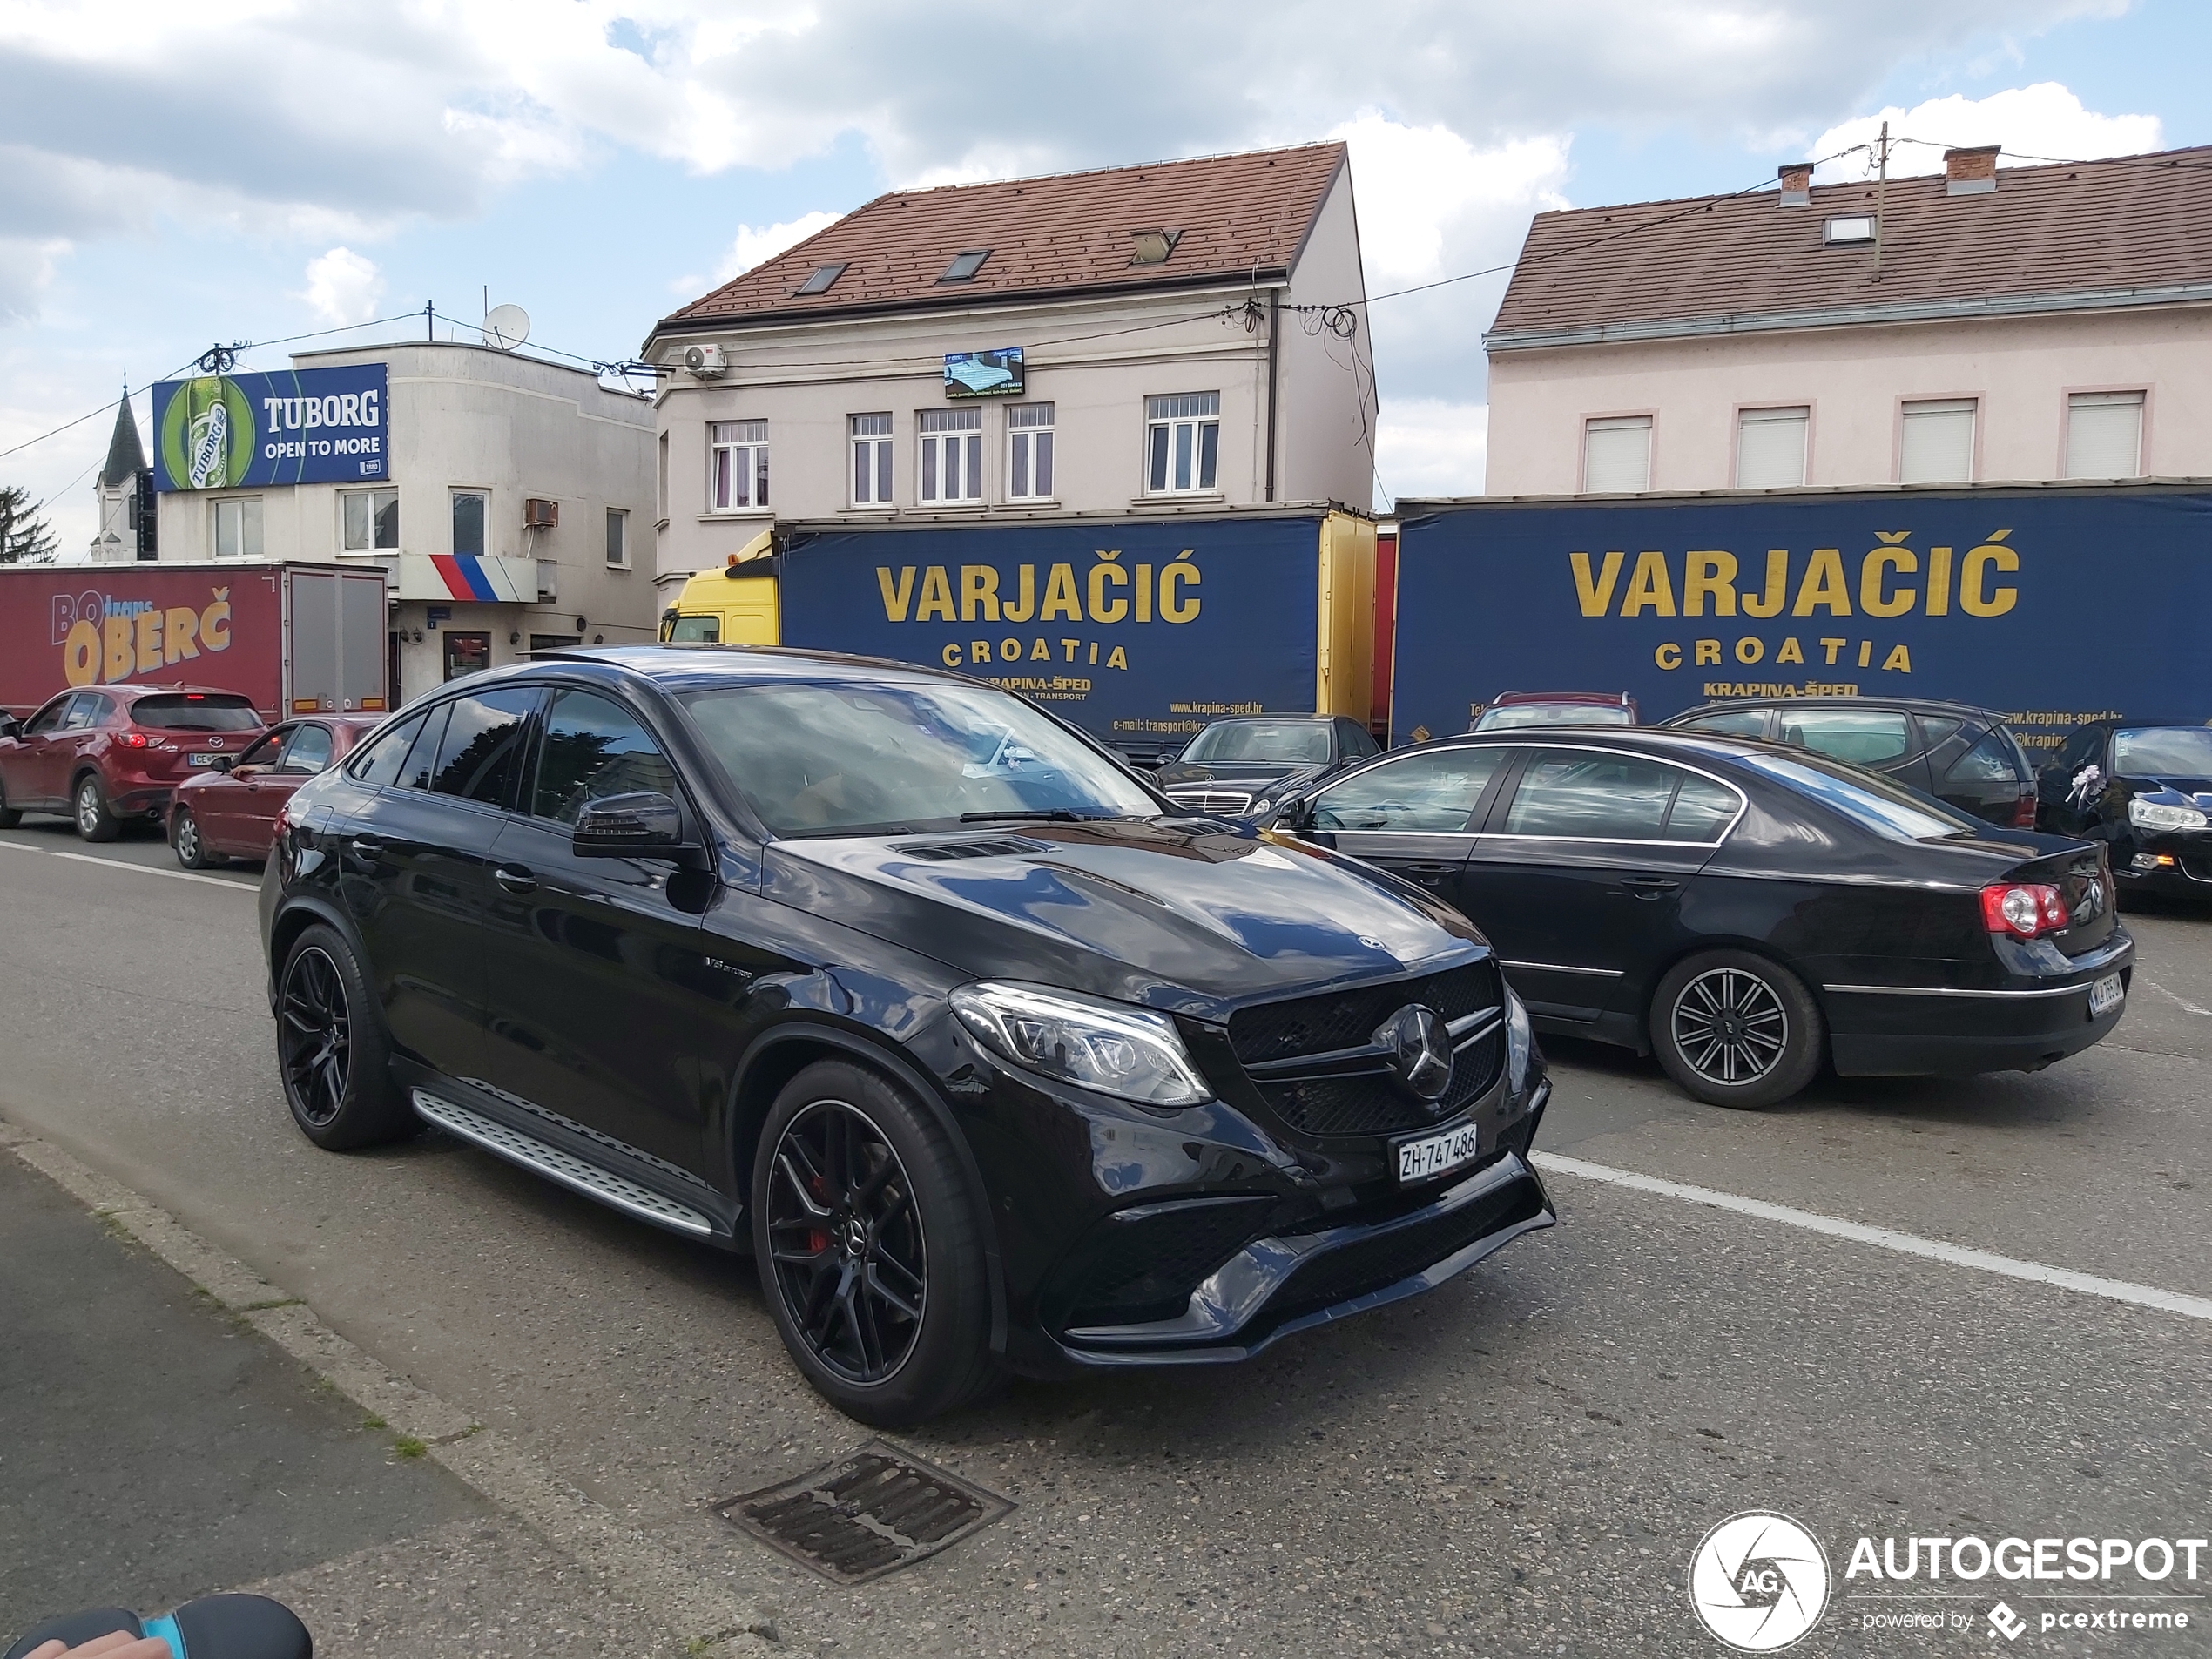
x: 1426, y: 193
x: 758, y: 242
x: 343, y: 287
x: 1429, y: 446
x: 2044, y: 120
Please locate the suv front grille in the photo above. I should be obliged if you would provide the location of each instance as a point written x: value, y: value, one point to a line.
x: 1371, y: 1106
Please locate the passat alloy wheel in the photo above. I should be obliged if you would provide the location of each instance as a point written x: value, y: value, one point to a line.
x: 1737, y: 1029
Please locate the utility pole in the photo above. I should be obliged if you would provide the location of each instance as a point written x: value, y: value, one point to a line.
x: 1881, y: 192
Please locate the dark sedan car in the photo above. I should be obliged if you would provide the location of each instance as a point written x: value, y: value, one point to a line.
x: 1240, y: 766
x: 2145, y: 791
x: 914, y: 992
x: 1745, y: 909
x: 1952, y: 751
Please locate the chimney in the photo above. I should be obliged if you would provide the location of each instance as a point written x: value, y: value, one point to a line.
x: 1796, y: 183
x: 1970, y: 172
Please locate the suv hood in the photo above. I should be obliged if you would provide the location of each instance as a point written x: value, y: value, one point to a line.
x: 1183, y: 916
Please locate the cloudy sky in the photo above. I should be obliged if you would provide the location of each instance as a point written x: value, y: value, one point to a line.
x: 174, y: 175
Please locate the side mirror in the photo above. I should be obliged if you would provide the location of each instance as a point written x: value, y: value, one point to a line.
x: 10, y: 727
x: 647, y: 825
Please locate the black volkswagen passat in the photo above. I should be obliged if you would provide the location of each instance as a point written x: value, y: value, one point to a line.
x: 914, y: 992
x: 1748, y: 910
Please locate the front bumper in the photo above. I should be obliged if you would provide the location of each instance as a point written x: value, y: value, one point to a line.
x: 2168, y: 861
x: 1892, y: 1031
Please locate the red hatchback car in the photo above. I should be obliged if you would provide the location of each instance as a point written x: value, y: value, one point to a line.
x: 101, y: 757
x: 232, y: 814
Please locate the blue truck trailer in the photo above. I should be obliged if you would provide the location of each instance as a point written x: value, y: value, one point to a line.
x: 1140, y: 628
x: 2053, y: 604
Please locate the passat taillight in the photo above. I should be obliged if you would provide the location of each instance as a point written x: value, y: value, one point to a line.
x: 2023, y: 909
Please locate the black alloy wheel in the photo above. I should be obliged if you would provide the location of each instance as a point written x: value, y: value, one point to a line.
x: 95, y: 821
x: 1736, y: 1030
x: 868, y: 1247
x: 185, y: 841
x: 331, y: 1052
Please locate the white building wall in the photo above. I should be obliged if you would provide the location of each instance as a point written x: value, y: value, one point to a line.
x: 2021, y: 370
x: 1325, y: 395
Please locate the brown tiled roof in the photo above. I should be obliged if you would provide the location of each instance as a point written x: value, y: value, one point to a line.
x: 1239, y: 214
x: 2135, y: 222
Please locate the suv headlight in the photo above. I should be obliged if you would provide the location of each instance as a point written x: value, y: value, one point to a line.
x: 1130, y: 1053
x: 2156, y: 815
x: 1519, y: 1039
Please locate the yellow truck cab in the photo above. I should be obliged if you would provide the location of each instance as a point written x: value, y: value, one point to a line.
x: 736, y: 604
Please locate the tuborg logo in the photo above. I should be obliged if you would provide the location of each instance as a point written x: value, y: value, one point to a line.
x: 1758, y: 1581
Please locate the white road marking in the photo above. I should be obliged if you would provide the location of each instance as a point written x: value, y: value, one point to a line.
x: 2185, y: 1006
x: 139, y: 869
x: 1934, y: 1249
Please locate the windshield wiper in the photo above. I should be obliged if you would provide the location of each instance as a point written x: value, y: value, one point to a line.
x: 1034, y: 815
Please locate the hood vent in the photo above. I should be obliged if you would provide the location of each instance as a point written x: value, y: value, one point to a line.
x: 1004, y: 846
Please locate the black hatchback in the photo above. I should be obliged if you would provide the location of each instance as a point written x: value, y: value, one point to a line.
x: 1749, y: 911
x: 1956, y: 753
x: 914, y: 992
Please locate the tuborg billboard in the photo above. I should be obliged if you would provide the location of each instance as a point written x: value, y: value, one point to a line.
x: 307, y: 426
x: 2053, y: 606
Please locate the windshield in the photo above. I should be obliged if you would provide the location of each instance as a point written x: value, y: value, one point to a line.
x: 1874, y: 803
x: 1247, y: 741
x: 1508, y: 715
x: 195, y: 711
x: 2163, y: 751
x: 870, y: 758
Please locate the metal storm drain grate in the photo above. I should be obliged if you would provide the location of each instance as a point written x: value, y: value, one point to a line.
x: 871, y: 1513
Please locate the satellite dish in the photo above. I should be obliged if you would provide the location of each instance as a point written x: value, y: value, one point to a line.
x: 506, y: 326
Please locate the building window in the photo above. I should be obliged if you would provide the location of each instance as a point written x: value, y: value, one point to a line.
x: 1936, y: 442
x: 1616, y: 454
x: 238, y: 528
x: 952, y: 455
x: 1771, y: 448
x: 2104, y: 434
x: 617, y: 535
x: 871, y: 460
x: 660, y: 481
x: 1029, y: 452
x: 738, y: 473
x: 1182, y: 441
x: 470, y: 509
x: 369, y: 520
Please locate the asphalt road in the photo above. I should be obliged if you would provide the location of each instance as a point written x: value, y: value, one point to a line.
x: 1520, y: 1463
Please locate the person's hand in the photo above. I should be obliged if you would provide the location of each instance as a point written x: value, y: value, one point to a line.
x: 117, y: 1644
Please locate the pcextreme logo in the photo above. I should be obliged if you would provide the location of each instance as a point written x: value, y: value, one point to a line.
x: 106, y: 637
x: 1758, y: 1581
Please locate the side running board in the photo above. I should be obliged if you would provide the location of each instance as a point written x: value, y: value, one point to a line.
x: 565, y: 1167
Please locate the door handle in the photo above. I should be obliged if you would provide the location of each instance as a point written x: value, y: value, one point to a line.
x: 368, y: 846
x: 1648, y: 887
x: 1430, y: 872
x: 513, y: 878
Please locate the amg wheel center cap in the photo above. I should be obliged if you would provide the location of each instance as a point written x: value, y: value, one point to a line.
x: 853, y: 1237
x: 1420, y: 1051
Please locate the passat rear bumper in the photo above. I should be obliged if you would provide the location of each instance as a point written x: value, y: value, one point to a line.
x: 1921, y: 1031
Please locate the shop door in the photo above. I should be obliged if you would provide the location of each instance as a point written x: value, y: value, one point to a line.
x: 466, y: 653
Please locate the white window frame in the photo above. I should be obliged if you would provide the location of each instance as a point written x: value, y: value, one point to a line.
x: 870, y: 471
x: 2116, y: 397
x: 1645, y: 424
x: 617, y: 538
x: 948, y: 457
x: 346, y: 497
x: 246, y: 514
x: 1179, y: 428
x: 737, y: 466
x: 1767, y: 419
x: 1916, y: 467
x: 454, y: 498
x: 1029, y: 452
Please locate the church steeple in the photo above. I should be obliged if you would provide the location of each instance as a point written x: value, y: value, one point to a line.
x: 125, y: 457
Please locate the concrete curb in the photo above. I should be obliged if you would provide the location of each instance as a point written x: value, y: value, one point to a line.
x: 706, y: 1617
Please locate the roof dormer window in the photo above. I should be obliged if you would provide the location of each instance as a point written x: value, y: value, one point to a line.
x: 1855, y: 227
x: 1152, y: 248
x: 823, y: 277
x: 966, y: 265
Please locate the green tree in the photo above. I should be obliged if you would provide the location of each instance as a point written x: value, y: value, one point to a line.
x: 25, y: 538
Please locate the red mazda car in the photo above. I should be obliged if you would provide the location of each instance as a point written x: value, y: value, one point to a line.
x: 231, y: 814
x: 102, y: 757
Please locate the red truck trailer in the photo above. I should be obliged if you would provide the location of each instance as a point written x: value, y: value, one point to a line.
x: 296, y: 638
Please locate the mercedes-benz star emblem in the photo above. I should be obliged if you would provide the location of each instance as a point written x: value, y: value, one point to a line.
x: 1419, y: 1050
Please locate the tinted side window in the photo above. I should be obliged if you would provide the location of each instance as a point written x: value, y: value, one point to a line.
x: 1935, y: 728
x: 309, y: 750
x: 382, y: 756
x: 262, y: 751
x: 422, y: 753
x: 1430, y: 791
x: 593, y: 748
x: 1989, y: 761
x: 1616, y: 797
x: 481, y: 752
x: 1860, y: 737
x: 1730, y: 723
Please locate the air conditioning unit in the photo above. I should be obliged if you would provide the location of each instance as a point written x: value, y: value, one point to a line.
x: 705, y: 363
x: 539, y: 513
